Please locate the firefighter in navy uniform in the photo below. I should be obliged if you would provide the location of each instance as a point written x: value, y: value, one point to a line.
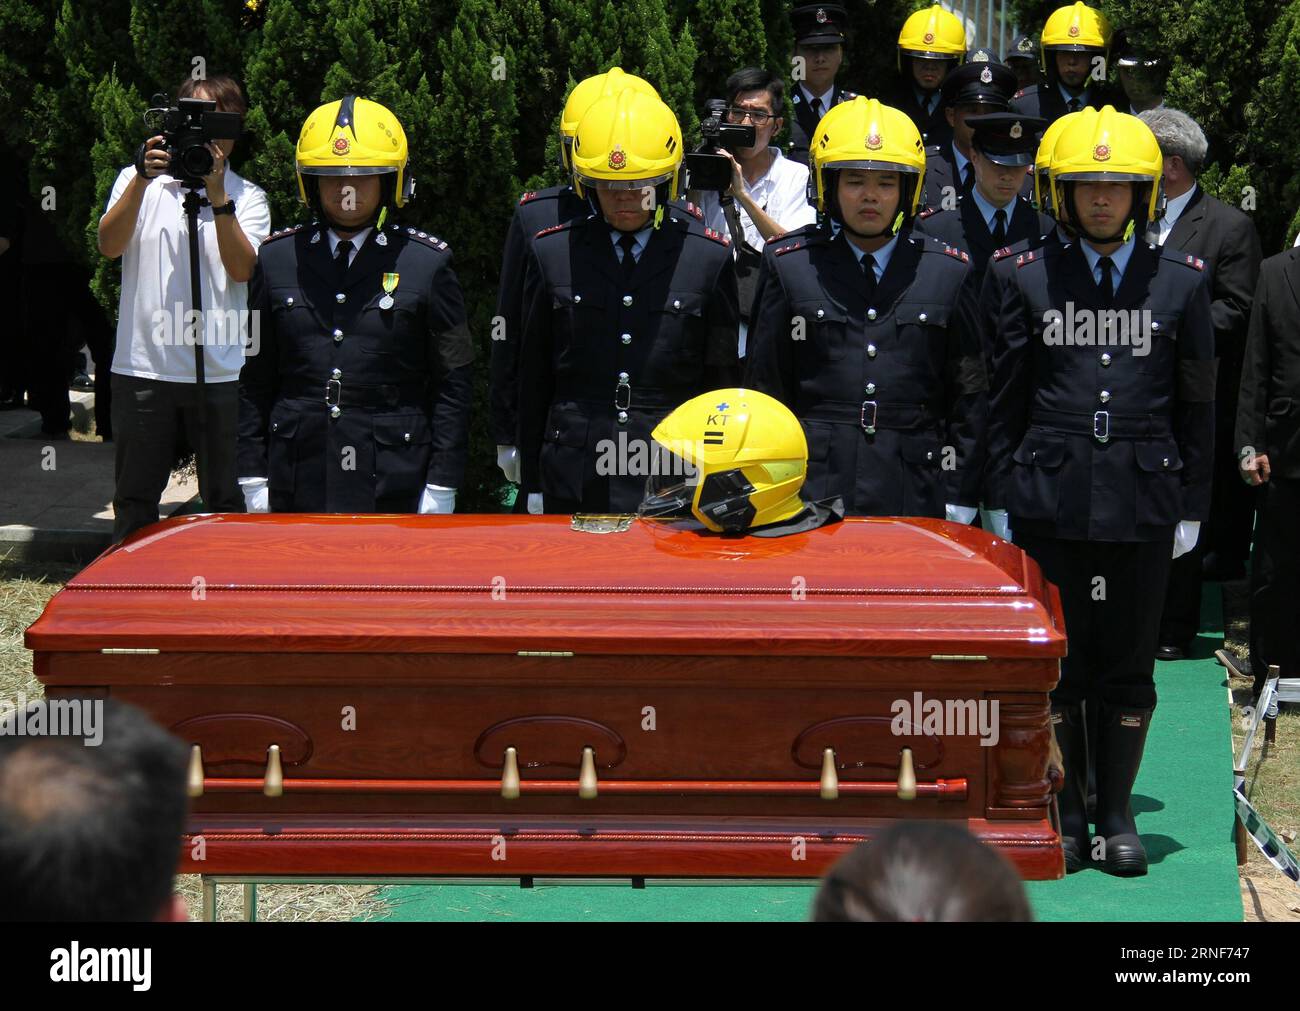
x: 1102, y: 455
x: 1075, y: 45
x: 866, y: 330
x: 931, y: 44
x: 358, y: 399
x: 538, y: 210
x: 978, y: 88
x: 628, y: 312
x: 819, y: 42
x: 993, y: 214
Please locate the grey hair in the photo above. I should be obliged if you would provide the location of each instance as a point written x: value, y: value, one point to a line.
x: 1178, y: 134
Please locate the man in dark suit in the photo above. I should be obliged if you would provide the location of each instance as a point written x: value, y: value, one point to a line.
x: 866, y: 331
x: 1267, y: 443
x: 1100, y: 448
x: 819, y: 50
x: 973, y: 89
x: 1075, y: 42
x: 628, y: 312
x: 931, y: 44
x: 1225, y: 239
x: 993, y: 215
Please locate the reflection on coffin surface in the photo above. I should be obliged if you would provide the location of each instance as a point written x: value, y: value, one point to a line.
x: 516, y: 696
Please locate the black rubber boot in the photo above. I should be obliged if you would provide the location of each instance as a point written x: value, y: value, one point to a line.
x: 1122, y: 737
x: 1072, y: 738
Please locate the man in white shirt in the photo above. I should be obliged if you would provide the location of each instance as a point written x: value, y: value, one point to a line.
x: 154, y: 387
x: 769, y: 192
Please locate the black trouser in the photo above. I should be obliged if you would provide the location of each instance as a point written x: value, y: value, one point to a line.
x: 147, y: 416
x: 1275, y: 581
x: 1112, y: 594
x: 47, y: 314
x: 1180, y: 619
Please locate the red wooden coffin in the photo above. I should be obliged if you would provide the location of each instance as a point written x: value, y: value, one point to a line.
x: 678, y: 704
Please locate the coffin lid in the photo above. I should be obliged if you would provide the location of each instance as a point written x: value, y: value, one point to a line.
x: 505, y: 584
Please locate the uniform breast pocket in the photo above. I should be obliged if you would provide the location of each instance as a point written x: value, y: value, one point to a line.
x: 820, y: 325
x: 281, y: 451
x: 1159, y: 482
x: 1053, y: 337
x: 391, y: 332
x: 1035, y: 487
x: 922, y: 331
x: 922, y: 487
x: 681, y: 320
x: 564, y: 452
x: 1152, y: 338
x: 402, y: 446
x: 579, y: 318
x: 293, y: 315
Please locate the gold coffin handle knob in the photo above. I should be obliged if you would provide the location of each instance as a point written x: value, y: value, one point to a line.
x: 906, y: 777
x: 587, y: 775
x: 510, y: 775
x: 194, y: 777
x: 273, y: 784
x: 830, y: 786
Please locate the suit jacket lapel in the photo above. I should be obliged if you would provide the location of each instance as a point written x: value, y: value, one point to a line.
x: 901, y: 270
x: 318, y: 258
x: 596, y: 249
x: 1078, y: 279
x: 1137, y: 276
x: 367, y: 264
x: 660, y: 253
x: 977, y: 232
x: 1189, y: 222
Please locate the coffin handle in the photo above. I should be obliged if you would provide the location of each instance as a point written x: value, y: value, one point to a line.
x: 194, y: 778
x: 587, y: 775
x: 830, y: 786
x: 273, y: 783
x: 510, y: 775
x: 906, y: 777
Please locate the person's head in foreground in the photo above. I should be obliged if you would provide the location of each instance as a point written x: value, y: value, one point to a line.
x: 922, y: 872
x: 92, y: 833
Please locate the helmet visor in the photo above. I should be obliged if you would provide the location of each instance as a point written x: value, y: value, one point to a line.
x: 622, y: 184
x: 346, y: 170
x: 670, y: 488
x: 878, y: 166
x: 1103, y: 177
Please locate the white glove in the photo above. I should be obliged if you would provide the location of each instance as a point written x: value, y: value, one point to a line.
x: 999, y: 523
x: 508, y: 461
x: 535, y: 503
x: 959, y: 513
x: 437, y: 500
x: 257, y: 495
x: 1185, y: 535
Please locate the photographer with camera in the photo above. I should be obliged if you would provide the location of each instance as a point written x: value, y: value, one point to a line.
x: 762, y: 194
x: 160, y: 384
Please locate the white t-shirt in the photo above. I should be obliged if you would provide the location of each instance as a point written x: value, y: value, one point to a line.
x: 782, y: 193
x: 151, y: 325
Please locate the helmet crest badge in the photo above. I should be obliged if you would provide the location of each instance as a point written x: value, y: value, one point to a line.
x: 341, y: 146
x: 874, y: 140
x: 1101, y: 152
x: 617, y: 158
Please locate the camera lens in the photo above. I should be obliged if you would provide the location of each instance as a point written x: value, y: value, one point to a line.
x: 196, y: 160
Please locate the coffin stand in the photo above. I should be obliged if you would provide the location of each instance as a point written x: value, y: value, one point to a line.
x: 519, y: 696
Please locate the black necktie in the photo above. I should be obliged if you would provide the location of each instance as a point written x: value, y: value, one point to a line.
x: 1107, y: 287
x: 999, y: 227
x: 627, y: 240
x: 968, y: 176
x: 817, y: 109
x: 341, y: 253
x: 869, y: 276
x: 1075, y: 105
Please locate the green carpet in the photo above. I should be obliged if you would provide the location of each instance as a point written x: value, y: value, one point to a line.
x: 1183, y: 803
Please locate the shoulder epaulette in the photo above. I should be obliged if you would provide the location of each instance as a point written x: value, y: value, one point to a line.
x: 292, y: 229
x: 1005, y: 251
x: 552, y: 229
x: 1028, y: 256
x: 716, y: 236
x: 426, y: 238
x: 790, y: 247
x: 1019, y: 94
x: 929, y: 212
x: 1194, y: 261
x: 956, y: 254
x: 528, y: 195
x: 699, y: 214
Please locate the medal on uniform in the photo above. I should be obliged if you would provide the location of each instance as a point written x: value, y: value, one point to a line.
x: 390, y: 284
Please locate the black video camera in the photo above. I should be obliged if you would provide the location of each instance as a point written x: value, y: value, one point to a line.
x: 187, y: 128
x: 705, y: 168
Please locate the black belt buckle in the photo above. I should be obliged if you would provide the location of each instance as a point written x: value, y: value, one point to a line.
x: 336, y: 391
x: 868, y: 426
x: 622, y: 396
x: 1101, y: 426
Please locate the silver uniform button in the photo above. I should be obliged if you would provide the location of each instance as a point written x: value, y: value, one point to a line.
x: 871, y: 351
x: 340, y: 298
x: 1105, y: 396
x: 627, y: 299
x: 622, y: 377
x: 335, y: 412
x: 871, y: 388
x: 923, y: 317
x: 677, y: 303
x: 406, y: 436
x: 871, y: 314
x: 1105, y: 359
x: 1165, y: 462
x: 577, y: 299
x: 821, y: 313
x: 289, y: 300
x: 1155, y: 324
x: 622, y: 417
x: 626, y: 338
x: 336, y: 374
x: 338, y: 335
x: 929, y: 454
